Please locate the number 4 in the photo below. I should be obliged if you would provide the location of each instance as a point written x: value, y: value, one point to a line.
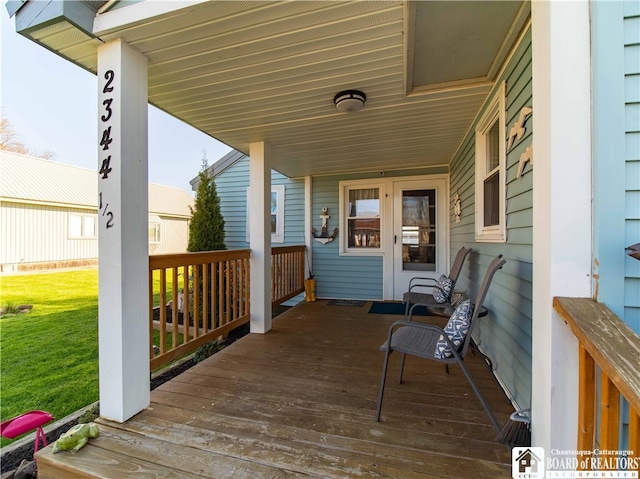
x: 105, y: 169
x: 106, y: 139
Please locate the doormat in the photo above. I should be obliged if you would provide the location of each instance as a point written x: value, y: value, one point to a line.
x: 354, y: 303
x: 387, y: 307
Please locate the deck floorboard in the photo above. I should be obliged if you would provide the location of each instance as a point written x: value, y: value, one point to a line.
x: 300, y: 401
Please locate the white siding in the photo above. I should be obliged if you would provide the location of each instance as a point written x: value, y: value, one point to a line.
x: 174, y: 236
x: 39, y: 233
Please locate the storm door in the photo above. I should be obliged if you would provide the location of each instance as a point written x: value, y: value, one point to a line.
x: 420, y: 237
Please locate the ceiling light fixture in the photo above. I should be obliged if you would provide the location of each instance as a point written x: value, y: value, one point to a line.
x: 349, y: 101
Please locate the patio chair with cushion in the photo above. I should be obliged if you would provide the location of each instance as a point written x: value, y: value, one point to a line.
x: 447, y: 346
x: 441, y: 290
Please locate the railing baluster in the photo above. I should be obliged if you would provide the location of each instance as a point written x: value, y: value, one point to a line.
x: 197, y: 311
x: 634, y: 433
x: 609, y: 414
x: 221, y: 292
x: 185, y: 307
x: 151, y: 314
x: 206, y: 294
x: 163, y: 310
x: 587, y: 400
x: 235, y: 289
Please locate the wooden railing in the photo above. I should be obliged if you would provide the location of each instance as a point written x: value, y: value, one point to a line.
x: 609, y: 367
x: 287, y: 273
x: 209, y: 296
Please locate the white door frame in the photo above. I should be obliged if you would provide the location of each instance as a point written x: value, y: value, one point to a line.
x: 388, y: 274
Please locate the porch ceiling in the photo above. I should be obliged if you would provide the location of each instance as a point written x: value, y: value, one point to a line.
x: 247, y: 71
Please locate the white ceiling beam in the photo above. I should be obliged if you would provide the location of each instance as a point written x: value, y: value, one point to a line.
x: 137, y: 13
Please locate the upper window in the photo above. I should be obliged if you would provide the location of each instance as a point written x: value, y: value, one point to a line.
x: 360, y: 208
x: 154, y: 233
x: 277, y: 214
x: 491, y: 172
x: 82, y: 226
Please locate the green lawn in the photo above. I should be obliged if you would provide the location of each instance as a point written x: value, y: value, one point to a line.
x: 49, y: 357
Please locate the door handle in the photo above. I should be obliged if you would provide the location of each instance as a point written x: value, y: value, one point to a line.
x: 395, y: 239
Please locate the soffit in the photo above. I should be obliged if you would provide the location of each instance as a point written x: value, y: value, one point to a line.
x: 247, y: 71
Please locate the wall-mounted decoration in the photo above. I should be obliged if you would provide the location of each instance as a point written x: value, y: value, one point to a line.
x: 518, y: 129
x: 457, y: 207
x: 324, y: 236
x: 526, y: 157
x: 517, y: 132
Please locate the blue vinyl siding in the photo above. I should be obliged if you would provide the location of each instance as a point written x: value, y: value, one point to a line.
x: 341, y: 277
x: 505, y: 334
x: 231, y: 186
x: 631, y: 29
x: 616, y: 155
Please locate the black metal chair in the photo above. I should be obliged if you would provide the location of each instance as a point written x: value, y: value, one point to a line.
x: 417, y: 295
x: 418, y: 339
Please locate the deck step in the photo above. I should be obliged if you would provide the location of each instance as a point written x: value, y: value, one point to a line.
x: 122, y: 454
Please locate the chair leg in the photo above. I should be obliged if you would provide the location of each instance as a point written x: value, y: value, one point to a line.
x: 404, y: 356
x: 382, y: 381
x: 484, y: 403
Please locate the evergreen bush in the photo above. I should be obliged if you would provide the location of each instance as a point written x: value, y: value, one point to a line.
x: 206, y: 229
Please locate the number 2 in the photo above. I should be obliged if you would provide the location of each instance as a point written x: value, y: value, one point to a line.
x: 110, y: 220
x: 109, y: 75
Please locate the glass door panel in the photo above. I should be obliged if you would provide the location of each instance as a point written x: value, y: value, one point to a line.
x: 419, y: 243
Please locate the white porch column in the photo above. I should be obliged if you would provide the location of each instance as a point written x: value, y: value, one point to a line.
x: 260, y: 236
x: 562, y: 210
x: 308, y: 224
x: 123, y: 238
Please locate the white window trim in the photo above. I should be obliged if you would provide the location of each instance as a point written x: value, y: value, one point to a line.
x: 344, y: 187
x: 83, y: 226
x: 496, y: 110
x: 278, y: 235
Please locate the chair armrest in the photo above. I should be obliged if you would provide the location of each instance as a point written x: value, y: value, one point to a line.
x: 427, y: 327
x: 421, y: 285
x: 442, y: 310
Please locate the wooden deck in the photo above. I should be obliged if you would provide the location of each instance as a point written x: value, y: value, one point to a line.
x: 300, y: 402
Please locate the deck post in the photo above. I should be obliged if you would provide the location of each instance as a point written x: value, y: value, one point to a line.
x: 123, y: 249
x: 260, y: 236
x: 561, y: 211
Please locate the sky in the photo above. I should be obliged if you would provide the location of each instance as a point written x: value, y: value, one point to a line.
x: 52, y: 105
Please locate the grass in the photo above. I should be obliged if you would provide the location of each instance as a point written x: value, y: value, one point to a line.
x: 49, y: 357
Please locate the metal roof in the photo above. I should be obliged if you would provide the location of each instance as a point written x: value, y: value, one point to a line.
x: 29, y: 179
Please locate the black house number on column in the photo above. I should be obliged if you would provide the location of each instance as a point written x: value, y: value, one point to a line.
x: 106, y: 167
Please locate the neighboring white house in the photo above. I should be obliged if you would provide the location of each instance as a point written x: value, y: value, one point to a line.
x: 48, y: 215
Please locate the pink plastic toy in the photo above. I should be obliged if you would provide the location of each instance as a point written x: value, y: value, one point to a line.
x: 12, y: 428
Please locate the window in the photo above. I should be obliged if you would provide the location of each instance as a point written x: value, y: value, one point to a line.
x: 277, y: 214
x: 154, y: 233
x: 82, y: 226
x: 491, y: 172
x: 360, y: 208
